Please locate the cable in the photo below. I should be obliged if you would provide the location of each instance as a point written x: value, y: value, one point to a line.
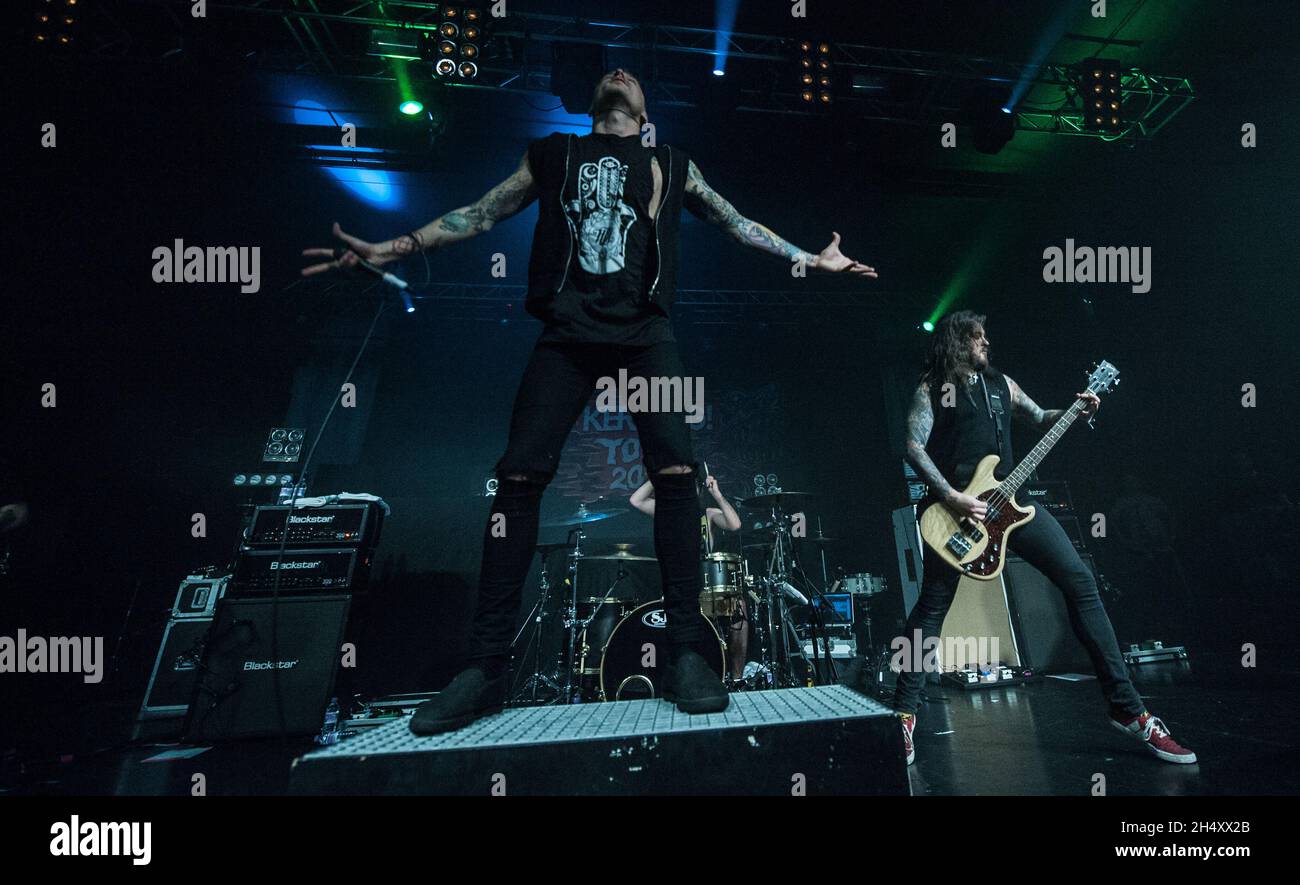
x: 293, y: 499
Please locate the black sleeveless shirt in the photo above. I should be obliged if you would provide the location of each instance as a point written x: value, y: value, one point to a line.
x: 977, y: 424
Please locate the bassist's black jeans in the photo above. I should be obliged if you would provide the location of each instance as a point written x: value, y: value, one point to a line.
x: 558, y: 382
x: 1044, y: 545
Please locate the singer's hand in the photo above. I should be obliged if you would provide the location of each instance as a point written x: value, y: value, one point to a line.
x: 377, y: 254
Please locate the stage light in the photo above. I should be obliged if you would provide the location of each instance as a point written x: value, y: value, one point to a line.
x: 718, y: 72
x: 927, y: 326
x: 468, y: 70
x: 472, y: 15
x: 410, y: 107
x: 445, y: 67
x: 813, y: 71
x: 448, y: 30
x: 468, y: 50
x: 450, y: 12
x: 241, y: 479
x: 471, y: 33
x: 1101, y: 80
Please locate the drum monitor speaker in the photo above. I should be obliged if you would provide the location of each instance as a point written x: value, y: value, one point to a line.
x: 1042, y: 621
x: 243, y: 690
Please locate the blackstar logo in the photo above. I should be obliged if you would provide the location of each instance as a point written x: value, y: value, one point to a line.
x: 270, y: 665
x: 310, y: 519
x: 281, y: 566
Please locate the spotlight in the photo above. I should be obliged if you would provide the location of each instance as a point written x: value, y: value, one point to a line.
x: 410, y: 107
x: 813, y: 71
x: 449, y: 30
x: 927, y: 326
x: 468, y: 70
x: 468, y: 50
x: 445, y: 67
x: 719, y: 72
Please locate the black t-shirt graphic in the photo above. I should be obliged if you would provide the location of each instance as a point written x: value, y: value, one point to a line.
x: 612, y: 265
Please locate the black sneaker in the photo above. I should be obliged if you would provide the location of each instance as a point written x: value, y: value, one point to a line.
x: 470, y: 696
x: 693, y: 687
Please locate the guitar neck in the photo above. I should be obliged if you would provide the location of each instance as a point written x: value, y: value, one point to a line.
x: 1012, y: 483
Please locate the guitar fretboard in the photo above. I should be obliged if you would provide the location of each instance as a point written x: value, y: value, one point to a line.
x: 1026, y: 467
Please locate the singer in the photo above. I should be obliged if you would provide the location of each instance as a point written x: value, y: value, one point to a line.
x: 601, y: 277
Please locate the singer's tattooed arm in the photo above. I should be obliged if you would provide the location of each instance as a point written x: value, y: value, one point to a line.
x: 704, y: 202
x: 498, y: 204
x: 920, y: 421
x: 1028, y: 411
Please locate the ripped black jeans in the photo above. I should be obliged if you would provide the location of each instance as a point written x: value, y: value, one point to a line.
x: 556, y: 386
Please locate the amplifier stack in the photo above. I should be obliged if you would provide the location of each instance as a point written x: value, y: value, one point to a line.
x: 256, y: 652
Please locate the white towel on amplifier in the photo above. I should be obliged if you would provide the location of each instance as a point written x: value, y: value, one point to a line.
x: 343, y: 497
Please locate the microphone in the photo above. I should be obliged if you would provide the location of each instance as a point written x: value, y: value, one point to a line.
x: 384, y: 276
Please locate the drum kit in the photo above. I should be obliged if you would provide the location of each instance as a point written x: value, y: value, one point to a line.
x: 610, y: 626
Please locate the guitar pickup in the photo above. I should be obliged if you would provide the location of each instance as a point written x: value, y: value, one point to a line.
x: 958, y: 545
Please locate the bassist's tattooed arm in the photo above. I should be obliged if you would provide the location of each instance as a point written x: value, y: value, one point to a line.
x: 704, y: 202
x: 1030, y: 412
x: 920, y: 421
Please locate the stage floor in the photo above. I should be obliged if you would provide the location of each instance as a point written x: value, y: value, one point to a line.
x: 1046, y: 738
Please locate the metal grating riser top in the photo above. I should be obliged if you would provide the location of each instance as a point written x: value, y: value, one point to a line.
x: 524, y: 726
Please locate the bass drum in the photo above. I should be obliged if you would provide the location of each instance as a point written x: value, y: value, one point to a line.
x: 623, y: 674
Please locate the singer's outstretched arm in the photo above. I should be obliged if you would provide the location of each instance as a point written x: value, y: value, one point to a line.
x: 504, y: 200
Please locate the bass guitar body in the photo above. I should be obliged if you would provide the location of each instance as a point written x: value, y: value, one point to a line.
x: 975, y: 548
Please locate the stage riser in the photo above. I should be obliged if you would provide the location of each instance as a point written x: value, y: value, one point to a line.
x: 858, y: 752
x: 836, y: 759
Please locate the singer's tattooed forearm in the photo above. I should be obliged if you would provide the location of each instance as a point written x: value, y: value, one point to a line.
x: 706, y: 203
x: 498, y: 204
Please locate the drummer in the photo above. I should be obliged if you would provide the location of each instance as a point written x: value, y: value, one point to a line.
x: 734, y: 628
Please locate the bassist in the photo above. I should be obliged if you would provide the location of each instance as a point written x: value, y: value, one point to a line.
x: 949, y: 429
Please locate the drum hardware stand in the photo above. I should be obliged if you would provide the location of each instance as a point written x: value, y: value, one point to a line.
x: 571, y: 616
x: 583, y: 625
x: 537, y: 616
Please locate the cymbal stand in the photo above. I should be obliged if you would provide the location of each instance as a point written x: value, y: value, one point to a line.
x: 537, y: 616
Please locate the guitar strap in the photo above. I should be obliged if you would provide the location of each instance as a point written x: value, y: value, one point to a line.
x: 993, y: 402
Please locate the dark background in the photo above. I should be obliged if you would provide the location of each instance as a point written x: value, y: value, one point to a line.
x: 165, y: 391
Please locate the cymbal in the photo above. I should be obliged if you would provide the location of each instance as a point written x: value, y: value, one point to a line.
x: 819, y: 539
x: 581, y: 516
x: 776, y: 499
x: 621, y: 556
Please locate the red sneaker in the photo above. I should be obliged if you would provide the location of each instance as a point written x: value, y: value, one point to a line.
x: 909, y: 722
x: 1152, y: 732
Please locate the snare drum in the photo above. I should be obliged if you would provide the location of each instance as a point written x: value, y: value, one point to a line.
x: 722, y: 582
x: 862, y: 584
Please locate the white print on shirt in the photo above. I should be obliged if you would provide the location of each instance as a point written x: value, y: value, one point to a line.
x: 600, y: 217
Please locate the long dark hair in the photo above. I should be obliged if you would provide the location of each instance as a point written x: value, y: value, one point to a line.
x: 949, y: 344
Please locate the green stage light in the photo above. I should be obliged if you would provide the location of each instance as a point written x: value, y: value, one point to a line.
x: 927, y: 326
x: 410, y: 107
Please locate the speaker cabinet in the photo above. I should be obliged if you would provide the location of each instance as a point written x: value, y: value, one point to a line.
x: 1042, y: 621
x: 247, y: 689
